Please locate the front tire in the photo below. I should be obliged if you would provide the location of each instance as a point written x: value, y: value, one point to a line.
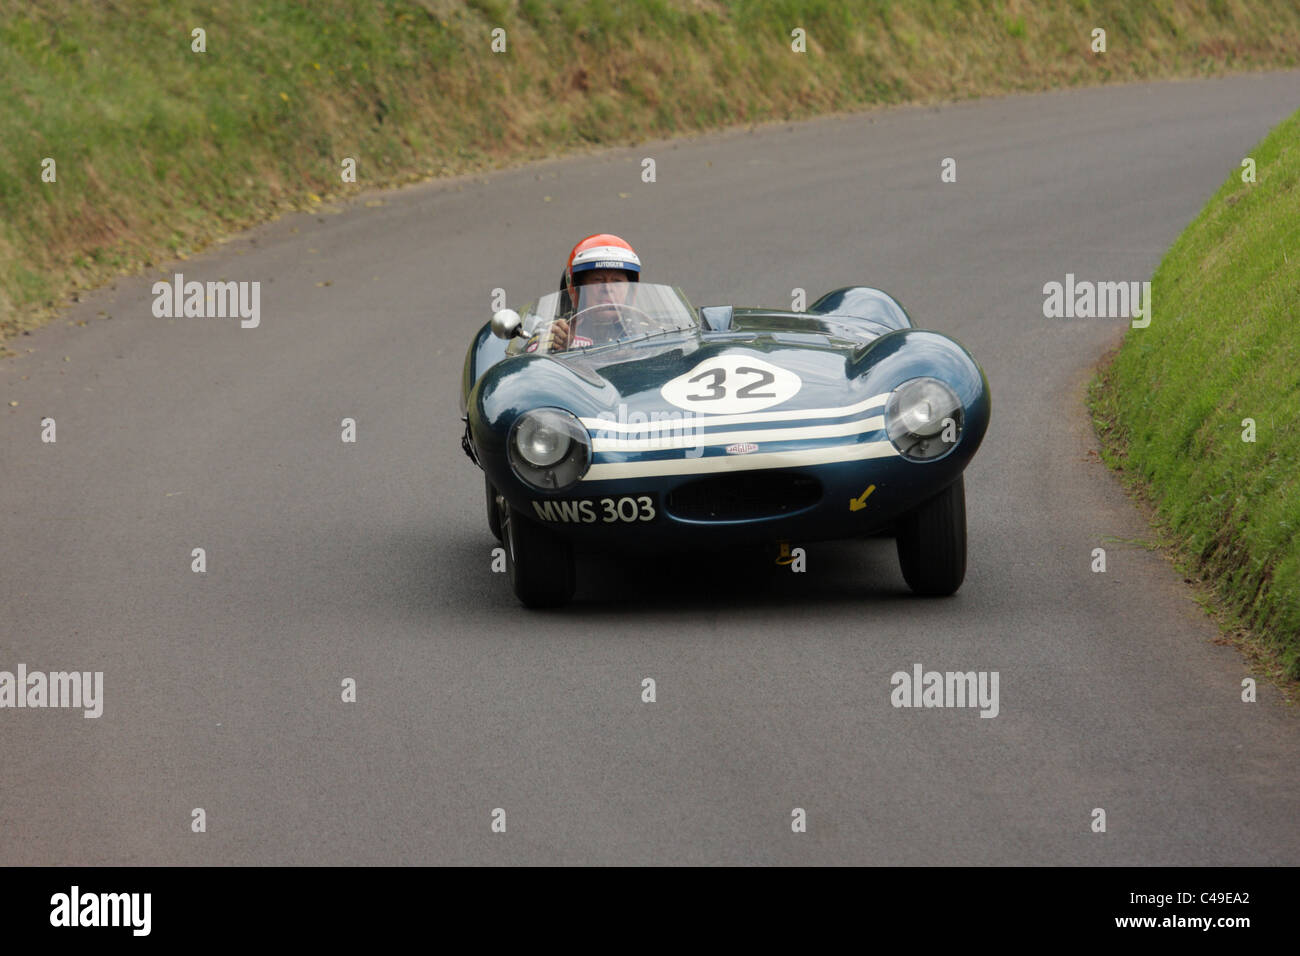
x: 538, y: 561
x: 932, y: 543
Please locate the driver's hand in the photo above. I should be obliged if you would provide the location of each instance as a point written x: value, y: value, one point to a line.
x: 559, y: 335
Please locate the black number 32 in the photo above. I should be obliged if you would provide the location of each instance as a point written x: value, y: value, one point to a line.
x: 718, y: 390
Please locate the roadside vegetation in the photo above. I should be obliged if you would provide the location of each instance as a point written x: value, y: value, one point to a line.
x: 158, y: 149
x: 1200, y: 412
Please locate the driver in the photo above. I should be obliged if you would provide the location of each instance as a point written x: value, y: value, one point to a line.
x: 594, y: 285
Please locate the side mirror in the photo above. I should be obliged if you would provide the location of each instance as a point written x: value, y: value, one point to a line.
x: 506, y: 324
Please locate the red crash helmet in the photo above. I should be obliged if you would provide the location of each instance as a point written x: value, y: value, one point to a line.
x: 602, y: 251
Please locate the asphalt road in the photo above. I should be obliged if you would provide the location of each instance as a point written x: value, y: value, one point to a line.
x: 371, y: 561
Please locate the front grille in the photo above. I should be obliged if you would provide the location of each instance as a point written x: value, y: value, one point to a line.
x: 743, y: 496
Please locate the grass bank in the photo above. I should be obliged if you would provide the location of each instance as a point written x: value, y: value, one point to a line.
x: 1201, y: 411
x: 159, y: 149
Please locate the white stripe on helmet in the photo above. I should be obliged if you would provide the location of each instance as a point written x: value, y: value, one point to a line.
x: 613, y: 253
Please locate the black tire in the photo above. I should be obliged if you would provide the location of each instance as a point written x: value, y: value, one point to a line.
x: 932, y: 543
x: 493, y: 510
x: 538, y: 561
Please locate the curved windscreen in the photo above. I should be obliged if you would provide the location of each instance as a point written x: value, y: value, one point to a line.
x: 606, y: 312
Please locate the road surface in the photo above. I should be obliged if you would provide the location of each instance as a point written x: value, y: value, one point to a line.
x: 328, y: 561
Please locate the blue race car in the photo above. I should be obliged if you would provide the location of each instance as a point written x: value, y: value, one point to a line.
x: 648, y: 424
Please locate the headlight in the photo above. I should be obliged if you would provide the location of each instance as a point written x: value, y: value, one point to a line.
x: 924, y: 419
x: 541, y: 440
x: 549, y: 448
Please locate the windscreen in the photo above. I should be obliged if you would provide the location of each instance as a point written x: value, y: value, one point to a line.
x: 606, y: 312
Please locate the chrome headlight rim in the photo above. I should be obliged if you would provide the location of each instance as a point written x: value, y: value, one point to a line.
x: 557, y: 470
x: 917, y: 435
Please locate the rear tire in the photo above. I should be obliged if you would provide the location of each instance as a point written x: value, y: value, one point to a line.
x: 493, y: 510
x: 932, y: 543
x: 538, y: 561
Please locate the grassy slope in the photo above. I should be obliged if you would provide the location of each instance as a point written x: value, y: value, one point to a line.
x: 1223, y: 346
x: 160, y: 149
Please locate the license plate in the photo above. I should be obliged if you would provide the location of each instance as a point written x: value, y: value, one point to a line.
x: 612, y: 510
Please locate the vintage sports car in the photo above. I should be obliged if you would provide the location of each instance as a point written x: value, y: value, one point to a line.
x: 647, y: 424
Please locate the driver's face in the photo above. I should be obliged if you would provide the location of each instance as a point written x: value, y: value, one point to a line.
x: 602, y: 287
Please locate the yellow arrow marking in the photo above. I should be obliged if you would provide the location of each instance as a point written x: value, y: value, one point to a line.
x: 860, y: 502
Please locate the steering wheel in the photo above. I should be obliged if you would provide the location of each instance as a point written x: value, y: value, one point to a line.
x: 620, y: 307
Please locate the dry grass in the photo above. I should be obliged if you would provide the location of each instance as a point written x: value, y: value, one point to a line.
x: 161, y: 150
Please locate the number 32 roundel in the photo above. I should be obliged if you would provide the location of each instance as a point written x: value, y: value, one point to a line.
x: 731, y: 383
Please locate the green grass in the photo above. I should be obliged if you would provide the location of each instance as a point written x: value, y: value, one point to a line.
x: 160, y: 150
x: 1224, y: 346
